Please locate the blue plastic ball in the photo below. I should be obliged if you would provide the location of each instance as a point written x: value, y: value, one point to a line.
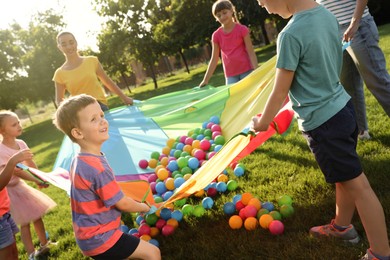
x: 172, y: 166
x: 221, y: 186
x: 238, y: 171
x: 236, y: 198
x: 165, y: 214
x: 207, y: 203
x: 139, y: 219
x: 229, y: 208
x: 178, y: 182
x: 215, y: 119
x: 193, y: 163
x: 154, y: 242
x: 124, y: 228
x: 160, y: 188
x: 167, y: 195
x: 177, y: 214
x: 268, y: 205
x: 217, y: 147
x: 132, y: 231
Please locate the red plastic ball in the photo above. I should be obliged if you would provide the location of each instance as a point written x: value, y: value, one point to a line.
x: 276, y: 227
x: 143, y: 164
x: 168, y: 230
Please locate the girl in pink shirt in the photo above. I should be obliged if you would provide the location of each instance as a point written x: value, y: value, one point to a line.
x: 232, y: 40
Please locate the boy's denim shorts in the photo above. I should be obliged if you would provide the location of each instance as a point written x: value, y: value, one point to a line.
x: 8, y: 229
x: 334, y: 146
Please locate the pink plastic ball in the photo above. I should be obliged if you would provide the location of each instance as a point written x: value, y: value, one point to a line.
x: 160, y: 223
x: 183, y: 139
x: 216, y: 128
x: 144, y: 229
x: 209, y: 125
x: 188, y: 141
x: 276, y: 227
x: 250, y: 211
x: 168, y: 230
x: 200, y: 155
x: 205, y: 145
x: 215, y: 134
x: 152, y: 177
x: 143, y: 164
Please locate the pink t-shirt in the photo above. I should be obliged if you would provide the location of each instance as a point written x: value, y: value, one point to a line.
x: 235, y: 58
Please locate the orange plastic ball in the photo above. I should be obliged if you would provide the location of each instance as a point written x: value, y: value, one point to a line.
x: 265, y: 220
x: 173, y: 222
x: 164, y: 161
x: 145, y: 237
x: 153, y: 163
x: 255, y: 202
x: 170, y: 183
x: 196, y: 144
x: 250, y: 223
x: 162, y: 174
x: 235, y: 222
x: 246, y: 197
x: 166, y: 150
x: 170, y: 142
x: 154, y: 231
x: 187, y: 148
x: 223, y: 177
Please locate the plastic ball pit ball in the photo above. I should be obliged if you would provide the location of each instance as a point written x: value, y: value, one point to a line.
x: 144, y: 229
x: 276, y: 227
x: 160, y: 223
x: 261, y: 212
x: 212, y: 192
x: 187, y: 209
x: 268, y: 205
x: 154, y: 242
x: 246, y: 197
x: 143, y: 164
x: 177, y: 214
x: 250, y: 223
x: 235, y: 222
x: 215, y: 119
x: 145, y: 237
x: 238, y: 171
x: 151, y: 219
x: 124, y: 228
x: 265, y: 220
x: 154, y: 231
x: 165, y: 213
x: 286, y: 210
x: 229, y: 208
x: 284, y: 200
x: 208, y: 203
x: 168, y: 230
x: 219, y: 139
x: 255, y: 202
x: 250, y: 211
x: 173, y: 222
x: 155, y: 155
x: 198, y: 211
x: 239, y: 205
x: 152, y: 163
x: 276, y: 215
x: 221, y: 186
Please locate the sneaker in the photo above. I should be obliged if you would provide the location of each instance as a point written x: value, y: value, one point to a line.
x: 369, y: 256
x: 43, y: 249
x: 348, y: 235
x: 364, y: 135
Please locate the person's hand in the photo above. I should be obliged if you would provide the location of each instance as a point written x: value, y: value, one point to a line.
x: 256, y: 124
x: 350, y: 32
x: 128, y: 101
x: 203, y: 83
x: 22, y: 155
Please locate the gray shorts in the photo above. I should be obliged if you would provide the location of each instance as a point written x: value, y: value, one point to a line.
x: 8, y: 229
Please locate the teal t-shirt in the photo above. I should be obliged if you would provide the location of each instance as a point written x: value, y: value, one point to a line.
x: 310, y: 46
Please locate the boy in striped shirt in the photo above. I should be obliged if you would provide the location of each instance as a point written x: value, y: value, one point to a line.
x: 96, y: 199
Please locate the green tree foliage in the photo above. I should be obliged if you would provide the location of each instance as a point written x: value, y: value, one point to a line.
x: 182, y: 24
x: 128, y: 20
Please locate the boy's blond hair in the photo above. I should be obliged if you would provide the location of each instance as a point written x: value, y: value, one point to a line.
x: 66, y: 117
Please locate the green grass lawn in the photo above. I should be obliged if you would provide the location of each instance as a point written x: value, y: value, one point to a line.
x: 283, y: 165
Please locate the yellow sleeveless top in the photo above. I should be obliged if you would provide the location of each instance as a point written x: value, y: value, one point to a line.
x: 82, y: 80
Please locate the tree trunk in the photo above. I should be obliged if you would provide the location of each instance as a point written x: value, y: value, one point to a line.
x: 151, y: 67
x: 184, y: 60
x: 264, y: 31
x: 126, y: 83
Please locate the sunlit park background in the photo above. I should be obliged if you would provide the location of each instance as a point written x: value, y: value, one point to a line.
x: 155, y: 47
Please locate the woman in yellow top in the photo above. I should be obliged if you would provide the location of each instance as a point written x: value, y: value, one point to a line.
x: 81, y: 74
